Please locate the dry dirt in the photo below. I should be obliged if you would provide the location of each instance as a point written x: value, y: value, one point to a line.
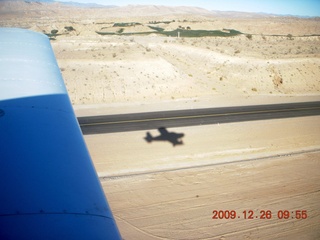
x: 126, y: 152
x: 158, y: 191
x: 142, y: 68
x: 180, y: 204
x: 109, y: 69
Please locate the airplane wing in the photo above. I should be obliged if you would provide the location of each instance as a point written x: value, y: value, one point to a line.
x: 49, y: 188
x: 163, y: 130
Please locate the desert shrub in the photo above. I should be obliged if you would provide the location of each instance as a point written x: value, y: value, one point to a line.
x: 54, y: 32
x: 249, y: 36
x: 69, y: 28
x: 290, y: 37
x: 277, y: 80
x: 120, y: 30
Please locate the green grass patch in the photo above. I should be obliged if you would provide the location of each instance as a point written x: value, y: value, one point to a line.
x: 126, y: 24
x: 202, y: 33
x: 158, y: 29
x: 125, y: 34
x: 183, y: 33
x: 158, y: 22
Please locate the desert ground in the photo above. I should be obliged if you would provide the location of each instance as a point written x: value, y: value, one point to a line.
x: 155, y: 190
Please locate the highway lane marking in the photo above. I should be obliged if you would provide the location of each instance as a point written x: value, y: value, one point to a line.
x: 196, y: 116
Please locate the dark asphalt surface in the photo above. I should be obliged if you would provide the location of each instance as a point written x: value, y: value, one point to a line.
x: 194, y: 117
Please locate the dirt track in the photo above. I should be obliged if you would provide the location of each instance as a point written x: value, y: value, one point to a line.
x: 177, y: 203
x: 180, y: 204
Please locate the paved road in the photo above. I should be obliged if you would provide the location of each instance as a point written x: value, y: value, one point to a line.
x: 194, y: 117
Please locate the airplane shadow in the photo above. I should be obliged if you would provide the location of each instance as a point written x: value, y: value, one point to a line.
x: 165, y: 135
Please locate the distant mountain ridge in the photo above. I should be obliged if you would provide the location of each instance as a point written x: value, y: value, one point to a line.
x: 29, y: 1
x: 159, y: 10
x: 91, y: 5
x: 28, y: 7
x: 41, y: 1
x: 70, y: 3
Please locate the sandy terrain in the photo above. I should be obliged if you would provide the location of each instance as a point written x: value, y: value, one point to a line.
x: 114, y: 69
x: 142, y: 68
x: 158, y: 191
x: 203, y: 145
x: 180, y: 204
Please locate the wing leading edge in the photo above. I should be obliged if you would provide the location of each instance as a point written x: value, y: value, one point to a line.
x: 49, y: 187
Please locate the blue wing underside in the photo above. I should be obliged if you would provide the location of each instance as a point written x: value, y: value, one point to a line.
x: 51, y: 187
